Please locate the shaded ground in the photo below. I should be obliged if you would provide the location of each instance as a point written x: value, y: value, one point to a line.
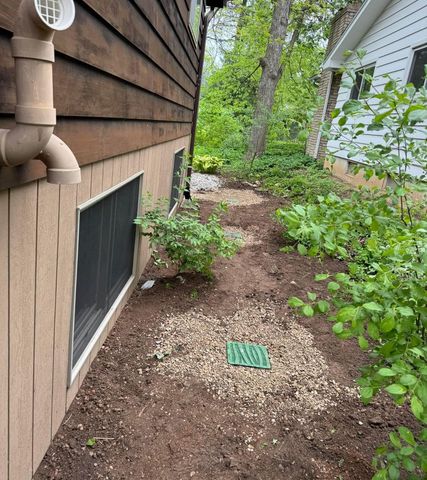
x: 190, y: 415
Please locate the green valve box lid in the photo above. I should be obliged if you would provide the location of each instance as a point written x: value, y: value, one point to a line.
x: 248, y: 355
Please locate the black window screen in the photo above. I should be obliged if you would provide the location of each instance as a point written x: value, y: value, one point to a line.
x: 105, y: 260
x: 418, y: 75
x: 363, y: 82
x: 176, y: 180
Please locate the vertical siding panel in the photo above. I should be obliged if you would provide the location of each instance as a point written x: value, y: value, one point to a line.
x: 83, y: 188
x: 125, y: 167
x: 97, y: 174
x: 155, y: 190
x: 64, y: 285
x: 131, y: 164
x: 107, y: 177
x: 135, y: 164
x: 116, y: 170
x: 23, y: 212
x: 4, y: 331
x: 47, y: 237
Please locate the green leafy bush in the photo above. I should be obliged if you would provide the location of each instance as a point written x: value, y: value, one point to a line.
x: 189, y: 243
x: 207, y: 163
x: 294, y: 176
x: 356, y: 228
x: 381, y: 299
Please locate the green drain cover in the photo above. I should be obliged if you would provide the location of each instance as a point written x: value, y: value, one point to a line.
x: 247, y: 355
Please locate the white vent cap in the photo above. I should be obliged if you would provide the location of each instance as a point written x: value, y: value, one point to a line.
x: 56, y: 14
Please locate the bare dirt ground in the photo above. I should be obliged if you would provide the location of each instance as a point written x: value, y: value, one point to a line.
x: 162, y: 403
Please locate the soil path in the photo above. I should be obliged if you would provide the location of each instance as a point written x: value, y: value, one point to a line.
x: 189, y: 414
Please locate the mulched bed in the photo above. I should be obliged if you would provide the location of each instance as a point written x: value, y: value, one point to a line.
x: 189, y: 414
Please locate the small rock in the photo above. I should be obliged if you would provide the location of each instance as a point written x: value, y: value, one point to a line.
x: 376, y: 421
x: 148, y: 284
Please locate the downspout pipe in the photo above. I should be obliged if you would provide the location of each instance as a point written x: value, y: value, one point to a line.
x: 34, y: 54
x: 207, y: 19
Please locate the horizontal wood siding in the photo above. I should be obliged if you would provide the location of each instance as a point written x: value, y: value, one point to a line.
x: 39, y: 230
x: 124, y: 79
x: 389, y: 45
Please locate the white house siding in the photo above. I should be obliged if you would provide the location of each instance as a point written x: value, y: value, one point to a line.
x: 389, y: 44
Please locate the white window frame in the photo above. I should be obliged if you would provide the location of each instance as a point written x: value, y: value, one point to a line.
x: 73, y: 371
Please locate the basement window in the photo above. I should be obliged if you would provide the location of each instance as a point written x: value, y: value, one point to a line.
x: 106, y: 246
x: 417, y: 75
x: 362, y: 84
x: 176, y: 179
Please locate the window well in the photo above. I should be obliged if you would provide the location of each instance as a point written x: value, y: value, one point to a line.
x: 105, y: 259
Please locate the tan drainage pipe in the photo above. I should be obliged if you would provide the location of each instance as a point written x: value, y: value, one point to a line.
x: 35, y: 116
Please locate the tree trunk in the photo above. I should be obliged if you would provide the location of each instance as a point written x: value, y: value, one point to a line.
x: 271, y: 66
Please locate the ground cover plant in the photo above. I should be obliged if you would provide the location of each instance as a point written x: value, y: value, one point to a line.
x: 285, y: 171
x: 381, y: 299
x: 190, y: 244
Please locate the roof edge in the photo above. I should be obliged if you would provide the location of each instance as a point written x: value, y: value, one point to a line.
x: 362, y: 22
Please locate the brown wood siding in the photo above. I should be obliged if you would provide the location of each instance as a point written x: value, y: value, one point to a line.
x: 124, y: 79
x: 44, y: 329
x: 22, y: 266
x: 4, y: 329
x: 38, y: 229
x: 95, y: 139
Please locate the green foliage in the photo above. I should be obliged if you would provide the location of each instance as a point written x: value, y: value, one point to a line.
x: 285, y: 149
x: 207, y: 163
x: 403, y: 453
x: 234, y: 70
x: 396, y: 113
x: 381, y: 300
x: 293, y: 175
x: 189, y: 243
x: 91, y: 442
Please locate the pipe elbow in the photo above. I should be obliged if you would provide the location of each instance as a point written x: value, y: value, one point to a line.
x: 33, y: 20
x: 61, y: 164
x: 23, y: 143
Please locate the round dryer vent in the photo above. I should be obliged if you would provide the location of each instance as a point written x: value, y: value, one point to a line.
x: 56, y: 14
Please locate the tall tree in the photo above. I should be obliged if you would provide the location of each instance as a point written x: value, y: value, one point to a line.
x: 272, y: 67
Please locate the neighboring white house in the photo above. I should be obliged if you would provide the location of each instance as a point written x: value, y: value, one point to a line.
x: 394, y: 35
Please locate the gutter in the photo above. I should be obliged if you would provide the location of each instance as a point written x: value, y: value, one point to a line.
x: 33, y: 50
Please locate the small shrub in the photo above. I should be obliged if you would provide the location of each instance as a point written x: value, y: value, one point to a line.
x: 381, y: 298
x: 189, y: 243
x: 207, y: 163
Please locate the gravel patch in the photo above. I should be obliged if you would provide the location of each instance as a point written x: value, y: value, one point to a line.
x: 204, y: 182
x: 297, y: 386
x: 231, y: 196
